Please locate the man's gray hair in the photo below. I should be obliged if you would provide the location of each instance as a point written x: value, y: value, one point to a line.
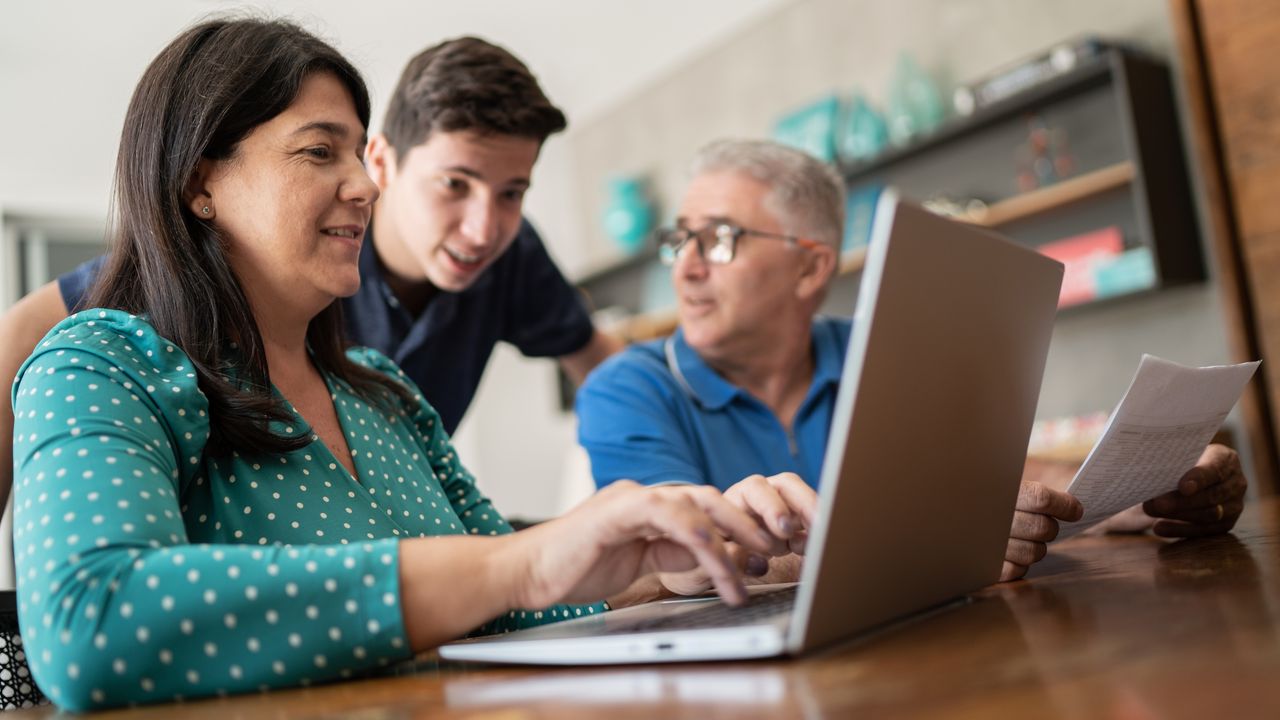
x: 805, y: 194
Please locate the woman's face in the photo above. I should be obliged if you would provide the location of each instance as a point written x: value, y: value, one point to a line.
x: 293, y: 202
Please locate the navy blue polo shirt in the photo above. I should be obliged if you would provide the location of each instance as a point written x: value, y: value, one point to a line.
x: 657, y: 413
x: 522, y: 299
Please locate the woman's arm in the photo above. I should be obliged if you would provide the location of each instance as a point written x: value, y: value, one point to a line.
x: 116, y: 605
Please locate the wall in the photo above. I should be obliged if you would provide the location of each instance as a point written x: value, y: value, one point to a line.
x: 789, y: 57
x: 67, y: 69
x: 644, y: 85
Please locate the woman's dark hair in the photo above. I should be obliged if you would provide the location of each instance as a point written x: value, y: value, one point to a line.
x: 198, y: 99
x: 467, y: 84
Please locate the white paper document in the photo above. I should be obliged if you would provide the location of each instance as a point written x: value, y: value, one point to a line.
x: 1156, y: 434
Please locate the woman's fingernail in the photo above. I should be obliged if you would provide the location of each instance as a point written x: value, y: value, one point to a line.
x: 785, y: 524
x: 703, y: 534
x: 757, y: 566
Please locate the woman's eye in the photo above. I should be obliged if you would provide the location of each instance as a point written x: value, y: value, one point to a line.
x: 452, y: 184
x: 319, y: 152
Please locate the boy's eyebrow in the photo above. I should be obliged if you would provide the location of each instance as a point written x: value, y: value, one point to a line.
x: 471, y: 173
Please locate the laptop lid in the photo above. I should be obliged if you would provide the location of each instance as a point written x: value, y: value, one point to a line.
x: 929, y: 434
x: 924, y: 456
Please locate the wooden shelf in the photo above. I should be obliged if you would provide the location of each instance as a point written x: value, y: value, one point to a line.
x: 852, y: 261
x: 660, y: 323
x: 1058, y: 195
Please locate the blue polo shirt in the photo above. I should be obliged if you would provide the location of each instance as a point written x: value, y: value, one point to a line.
x: 657, y: 413
x: 522, y: 299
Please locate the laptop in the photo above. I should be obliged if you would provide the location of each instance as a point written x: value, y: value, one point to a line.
x: 928, y: 439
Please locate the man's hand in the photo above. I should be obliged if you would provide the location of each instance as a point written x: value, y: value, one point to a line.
x: 1209, y: 498
x: 783, y: 507
x: 782, y: 504
x: 1035, y: 523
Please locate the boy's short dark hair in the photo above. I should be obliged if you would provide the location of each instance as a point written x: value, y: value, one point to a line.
x: 467, y: 84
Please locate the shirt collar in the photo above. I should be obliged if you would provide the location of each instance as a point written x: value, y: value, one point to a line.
x: 713, y: 392
x: 371, y: 271
x: 442, y: 307
x: 697, y: 378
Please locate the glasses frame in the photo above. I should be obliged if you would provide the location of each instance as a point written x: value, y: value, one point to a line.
x: 724, y: 235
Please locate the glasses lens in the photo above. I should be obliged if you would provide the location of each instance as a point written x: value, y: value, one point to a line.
x: 669, y: 244
x: 667, y: 254
x: 721, y: 254
x: 724, y: 237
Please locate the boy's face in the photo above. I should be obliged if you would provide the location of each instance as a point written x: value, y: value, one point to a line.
x: 456, y: 201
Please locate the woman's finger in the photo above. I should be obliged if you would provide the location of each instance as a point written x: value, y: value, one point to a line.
x: 732, y: 521
x: 684, y: 523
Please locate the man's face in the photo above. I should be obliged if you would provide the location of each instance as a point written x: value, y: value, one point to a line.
x: 456, y: 201
x: 729, y: 308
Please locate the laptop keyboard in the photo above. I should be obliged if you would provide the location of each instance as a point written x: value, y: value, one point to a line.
x: 714, y: 615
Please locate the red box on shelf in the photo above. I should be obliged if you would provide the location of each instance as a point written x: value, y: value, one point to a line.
x: 1080, y: 254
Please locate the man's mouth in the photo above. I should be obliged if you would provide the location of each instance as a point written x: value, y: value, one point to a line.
x: 696, y: 306
x: 462, y: 257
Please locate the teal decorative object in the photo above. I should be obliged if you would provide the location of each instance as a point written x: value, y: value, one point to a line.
x: 628, y: 215
x: 915, y: 107
x: 811, y: 128
x: 864, y: 132
x: 1130, y: 271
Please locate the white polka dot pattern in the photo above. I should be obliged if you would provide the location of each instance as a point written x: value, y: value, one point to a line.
x: 150, y: 571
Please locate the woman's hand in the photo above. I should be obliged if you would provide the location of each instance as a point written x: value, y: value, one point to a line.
x: 626, y: 531
x: 783, y: 506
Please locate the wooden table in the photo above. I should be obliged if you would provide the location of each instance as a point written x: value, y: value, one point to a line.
x: 1107, y: 627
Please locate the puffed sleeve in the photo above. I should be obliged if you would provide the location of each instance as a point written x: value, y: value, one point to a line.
x: 116, y: 605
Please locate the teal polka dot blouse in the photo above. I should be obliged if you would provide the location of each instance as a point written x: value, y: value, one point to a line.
x: 149, y: 571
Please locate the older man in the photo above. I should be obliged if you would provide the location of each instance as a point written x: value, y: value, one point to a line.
x: 748, y: 382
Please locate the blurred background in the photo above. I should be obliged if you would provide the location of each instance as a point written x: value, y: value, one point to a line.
x: 644, y: 85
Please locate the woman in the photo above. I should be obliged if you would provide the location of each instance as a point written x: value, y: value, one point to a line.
x: 212, y: 495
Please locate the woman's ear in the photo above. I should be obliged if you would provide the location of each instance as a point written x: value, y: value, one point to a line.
x: 196, y: 195
x: 380, y: 160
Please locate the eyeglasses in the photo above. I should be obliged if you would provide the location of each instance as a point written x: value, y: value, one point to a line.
x: 716, y: 242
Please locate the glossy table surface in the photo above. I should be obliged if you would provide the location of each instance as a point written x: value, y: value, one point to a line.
x: 1111, y: 627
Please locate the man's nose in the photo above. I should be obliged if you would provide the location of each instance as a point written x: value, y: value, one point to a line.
x: 480, y: 225
x: 691, y: 262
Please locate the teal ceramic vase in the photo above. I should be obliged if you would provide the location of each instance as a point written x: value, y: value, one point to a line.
x: 628, y: 214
